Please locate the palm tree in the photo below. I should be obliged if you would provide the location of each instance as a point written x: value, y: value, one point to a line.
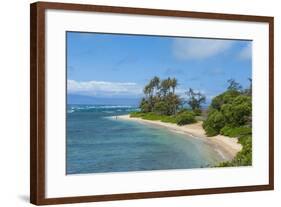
x: 174, y: 84
x: 147, y: 90
x: 154, y: 82
x: 161, y: 94
x: 165, y: 86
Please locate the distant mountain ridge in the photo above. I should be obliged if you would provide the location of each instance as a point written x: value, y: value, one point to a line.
x: 80, y: 99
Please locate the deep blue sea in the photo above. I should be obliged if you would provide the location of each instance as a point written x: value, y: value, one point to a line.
x: 97, y: 142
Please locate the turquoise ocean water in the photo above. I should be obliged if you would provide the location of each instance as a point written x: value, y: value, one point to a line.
x: 98, y: 143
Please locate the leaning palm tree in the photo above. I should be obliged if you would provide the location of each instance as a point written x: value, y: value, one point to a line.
x: 154, y: 84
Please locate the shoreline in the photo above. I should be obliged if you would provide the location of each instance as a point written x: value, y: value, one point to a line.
x: 227, y: 147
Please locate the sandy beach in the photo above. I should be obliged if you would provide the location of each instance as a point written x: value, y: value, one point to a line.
x: 227, y: 147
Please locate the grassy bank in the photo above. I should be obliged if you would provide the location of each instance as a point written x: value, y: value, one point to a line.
x: 153, y: 116
x: 181, y: 118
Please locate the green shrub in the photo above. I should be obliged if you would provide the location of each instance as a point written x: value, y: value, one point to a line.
x: 197, y: 112
x: 236, y: 131
x: 185, y: 118
x: 210, y: 132
x: 224, y: 98
x: 161, y: 107
x: 238, y: 111
x: 230, y: 110
x: 245, y: 140
x: 136, y: 114
x: 183, y: 110
x: 214, y: 123
x: 169, y: 119
x: 151, y: 116
x: 145, y: 107
x: 154, y: 117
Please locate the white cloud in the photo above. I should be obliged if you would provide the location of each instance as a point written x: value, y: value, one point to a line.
x: 246, y: 52
x: 103, y: 88
x: 199, y: 48
x: 114, y: 89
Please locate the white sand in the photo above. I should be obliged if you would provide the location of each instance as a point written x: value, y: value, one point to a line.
x: 227, y: 147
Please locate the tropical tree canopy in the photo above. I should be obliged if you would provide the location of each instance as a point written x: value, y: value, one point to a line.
x: 160, y: 96
x: 233, y: 108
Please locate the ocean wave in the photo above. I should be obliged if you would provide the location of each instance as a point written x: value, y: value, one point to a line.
x: 102, y: 106
x: 70, y: 111
x: 132, y: 109
x: 107, y: 108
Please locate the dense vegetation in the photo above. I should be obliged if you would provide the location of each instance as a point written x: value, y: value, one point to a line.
x: 186, y: 117
x: 154, y: 117
x: 231, y: 109
x: 160, y: 97
x: 162, y: 103
x: 230, y: 114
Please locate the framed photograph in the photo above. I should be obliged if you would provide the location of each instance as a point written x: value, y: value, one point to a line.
x: 130, y: 103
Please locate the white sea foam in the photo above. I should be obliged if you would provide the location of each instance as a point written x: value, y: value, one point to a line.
x: 108, y: 108
x: 70, y: 111
x: 102, y: 107
x: 220, y: 153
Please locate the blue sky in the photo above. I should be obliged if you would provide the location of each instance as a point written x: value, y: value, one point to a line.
x: 118, y: 66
